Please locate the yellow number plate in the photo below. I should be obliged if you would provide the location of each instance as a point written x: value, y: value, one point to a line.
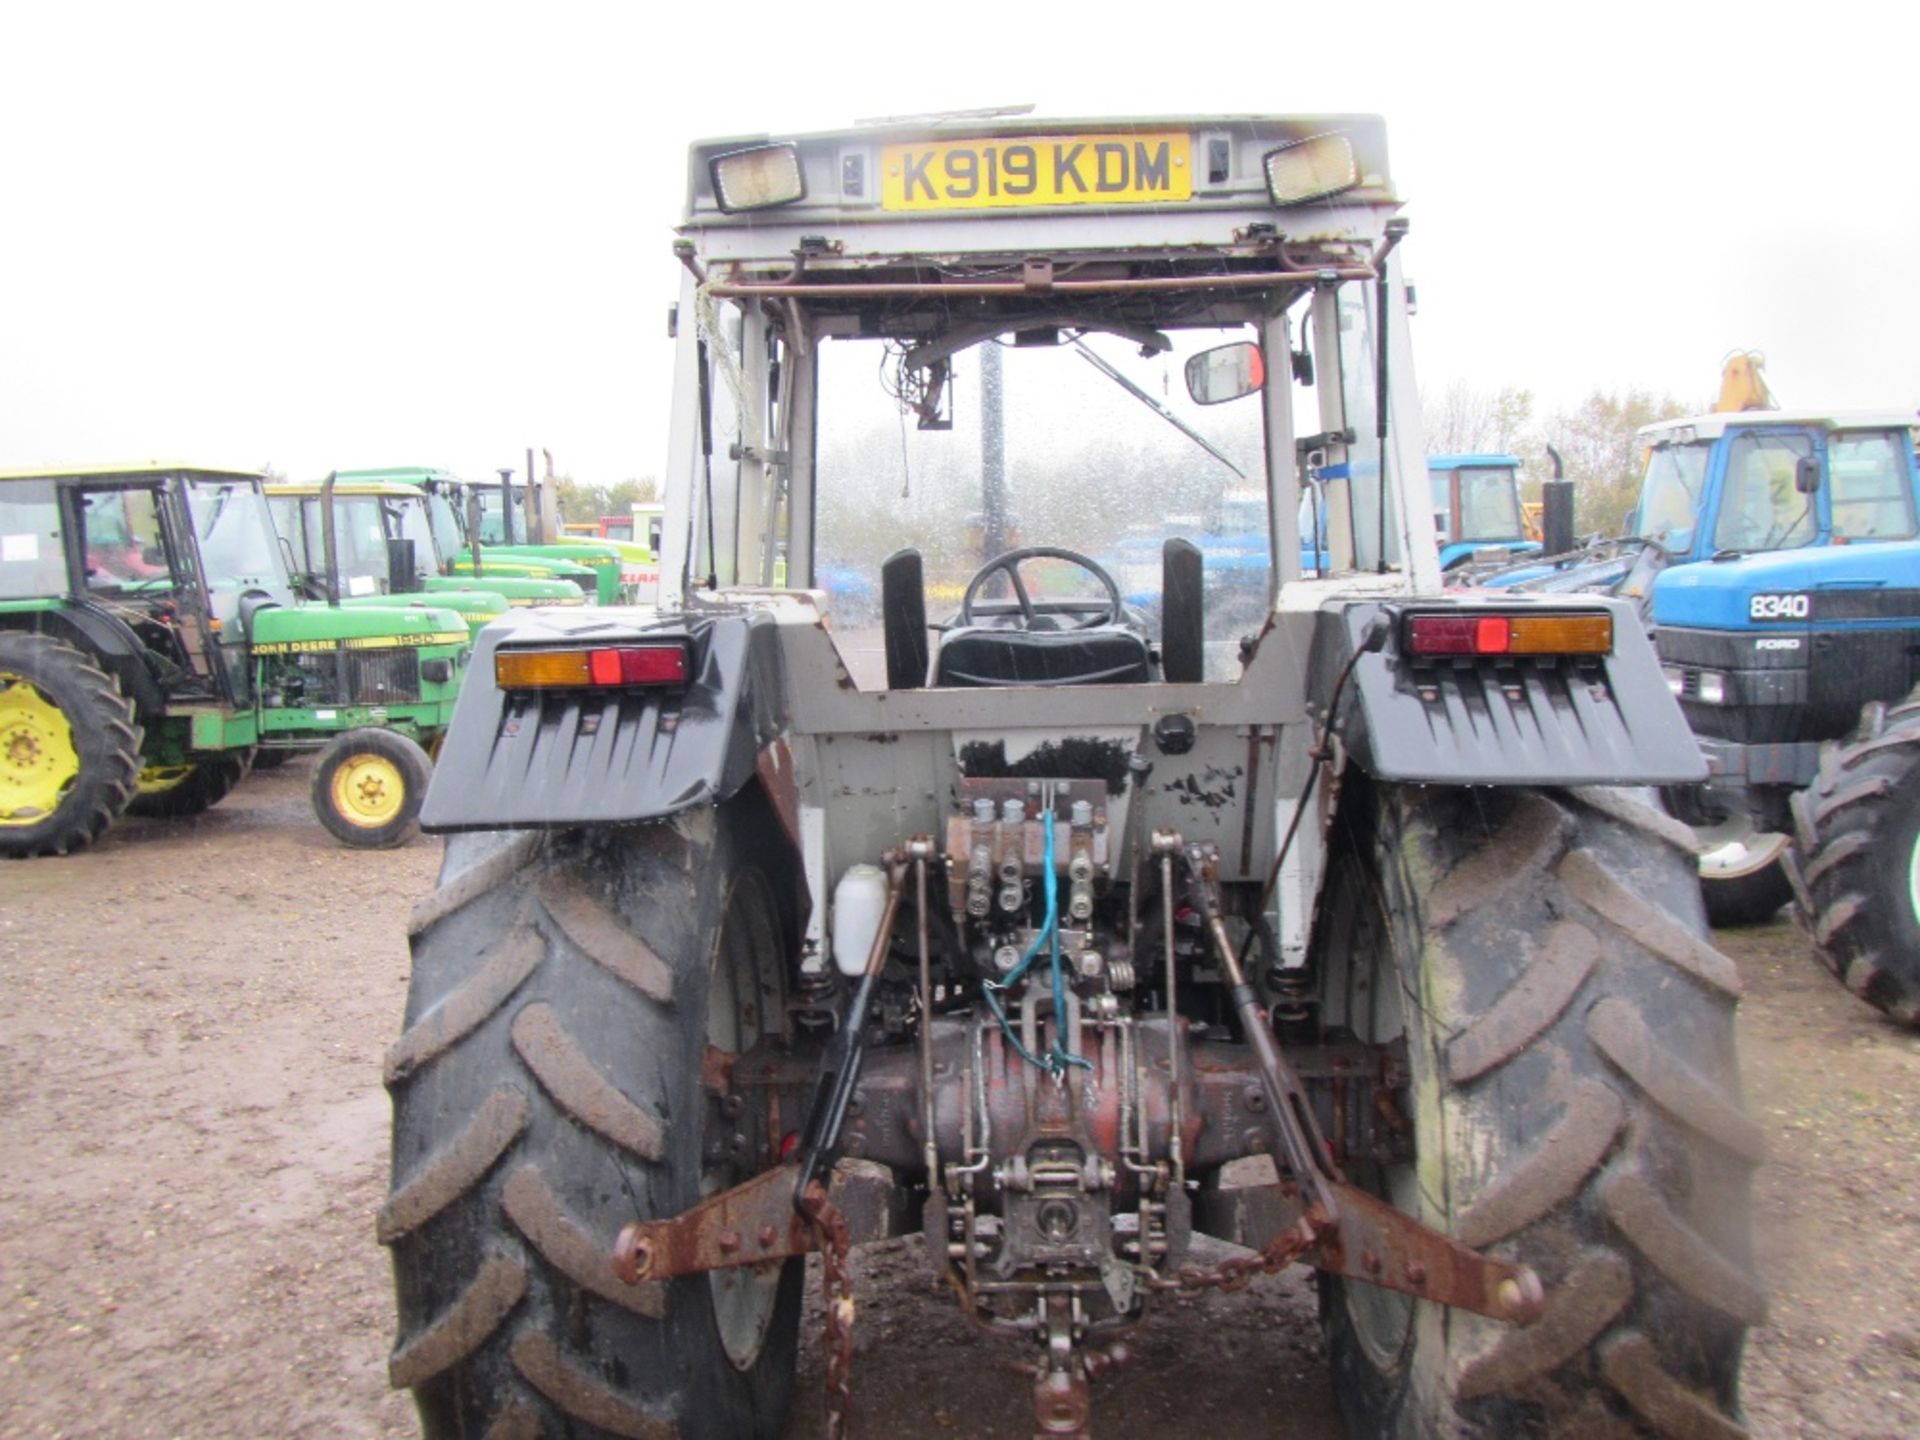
x: 1043, y: 170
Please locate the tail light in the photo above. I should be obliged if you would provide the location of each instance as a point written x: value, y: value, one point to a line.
x: 603, y: 667
x: 1469, y: 634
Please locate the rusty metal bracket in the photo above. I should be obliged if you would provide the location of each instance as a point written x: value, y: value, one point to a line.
x: 755, y: 1222
x: 1373, y: 1242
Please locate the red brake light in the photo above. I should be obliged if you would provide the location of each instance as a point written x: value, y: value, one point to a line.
x: 1442, y: 634
x: 643, y: 665
x: 603, y: 667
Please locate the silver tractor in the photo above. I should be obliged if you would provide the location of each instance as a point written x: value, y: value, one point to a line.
x: 925, y: 863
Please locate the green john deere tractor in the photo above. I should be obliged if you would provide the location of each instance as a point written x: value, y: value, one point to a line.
x: 385, y: 553
x: 478, y: 537
x: 151, y: 645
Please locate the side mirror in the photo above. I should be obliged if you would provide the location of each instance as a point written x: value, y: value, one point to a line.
x: 403, y: 578
x: 1225, y: 372
x: 1806, y: 474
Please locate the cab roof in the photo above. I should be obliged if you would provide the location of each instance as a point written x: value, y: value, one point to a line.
x: 1472, y: 462
x: 136, y: 469
x: 343, y: 486
x: 1712, y: 427
x: 850, y: 205
x: 396, y: 474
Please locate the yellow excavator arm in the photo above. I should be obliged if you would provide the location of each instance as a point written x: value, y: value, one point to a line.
x: 1742, y: 386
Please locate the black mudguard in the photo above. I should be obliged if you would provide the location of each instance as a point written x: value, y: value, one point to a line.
x: 113, y: 646
x: 1500, y: 721
x: 533, y: 760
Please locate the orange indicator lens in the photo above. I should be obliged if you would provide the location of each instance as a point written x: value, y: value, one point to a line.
x: 1562, y: 635
x: 606, y: 667
x: 540, y: 669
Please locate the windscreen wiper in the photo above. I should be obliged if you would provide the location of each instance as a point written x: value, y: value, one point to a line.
x: 1087, y: 354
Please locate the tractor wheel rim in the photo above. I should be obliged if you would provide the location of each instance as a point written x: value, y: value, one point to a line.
x: 1913, y: 877
x: 368, y: 791
x: 744, y: 1297
x: 158, y: 779
x: 38, y: 761
x: 1735, y: 848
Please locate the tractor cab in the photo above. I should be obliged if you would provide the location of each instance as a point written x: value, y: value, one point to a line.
x: 152, y: 641
x: 385, y: 547
x: 1477, y: 509
x: 183, y: 557
x: 1722, y: 485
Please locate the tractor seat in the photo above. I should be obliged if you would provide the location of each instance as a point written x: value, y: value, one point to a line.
x: 987, y: 655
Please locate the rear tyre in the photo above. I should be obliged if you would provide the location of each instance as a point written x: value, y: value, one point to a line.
x: 368, y: 787
x: 547, y: 1090
x: 69, y: 748
x: 271, y: 758
x: 1573, y: 1102
x: 1857, y: 858
x: 170, y: 793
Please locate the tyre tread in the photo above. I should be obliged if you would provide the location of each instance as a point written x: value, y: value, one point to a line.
x: 1598, y: 1287
x: 1576, y: 1147
x: 1527, y: 844
x: 594, y: 929
x: 1556, y: 969
x: 493, y: 982
x: 1637, y: 1209
x: 1612, y: 898
x: 483, y: 877
x: 580, y: 1396
x: 565, y: 1245
x: 456, y: 1167
x: 577, y: 1086
x: 464, y: 1326
x: 1670, y: 1083
x: 1632, y: 1366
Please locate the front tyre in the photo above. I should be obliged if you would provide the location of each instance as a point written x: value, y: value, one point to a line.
x: 368, y: 788
x: 172, y: 792
x: 1746, y: 897
x: 1743, y: 875
x: 69, y: 747
x: 1573, y: 1104
x: 547, y: 1090
x: 1857, y: 858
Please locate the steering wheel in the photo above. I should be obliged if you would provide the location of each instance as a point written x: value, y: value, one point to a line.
x: 1086, y: 615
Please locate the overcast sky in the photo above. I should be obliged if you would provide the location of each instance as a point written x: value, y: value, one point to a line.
x: 340, y: 235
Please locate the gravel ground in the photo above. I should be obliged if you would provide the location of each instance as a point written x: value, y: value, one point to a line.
x: 195, y: 1140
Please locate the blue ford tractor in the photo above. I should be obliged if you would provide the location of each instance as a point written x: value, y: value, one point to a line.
x: 1477, y: 509
x: 1775, y: 556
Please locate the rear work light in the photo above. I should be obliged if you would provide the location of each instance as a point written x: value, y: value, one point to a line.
x: 757, y: 178
x: 1435, y: 636
x: 604, y: 667
x: 1311, y: 169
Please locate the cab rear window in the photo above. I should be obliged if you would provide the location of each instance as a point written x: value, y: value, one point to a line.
x: 1872, y: 487
x: 32, y: 560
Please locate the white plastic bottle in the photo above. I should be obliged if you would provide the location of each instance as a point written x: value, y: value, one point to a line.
x: 859, y: 900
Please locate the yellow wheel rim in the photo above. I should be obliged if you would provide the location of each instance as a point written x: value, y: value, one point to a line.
x: 368, y: 791
x: 37, y: 759
x: 158, y: 779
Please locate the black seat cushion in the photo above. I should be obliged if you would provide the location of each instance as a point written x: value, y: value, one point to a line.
x: 980, y: 655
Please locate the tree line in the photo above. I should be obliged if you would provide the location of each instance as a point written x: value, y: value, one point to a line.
x: 1595, y: 439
